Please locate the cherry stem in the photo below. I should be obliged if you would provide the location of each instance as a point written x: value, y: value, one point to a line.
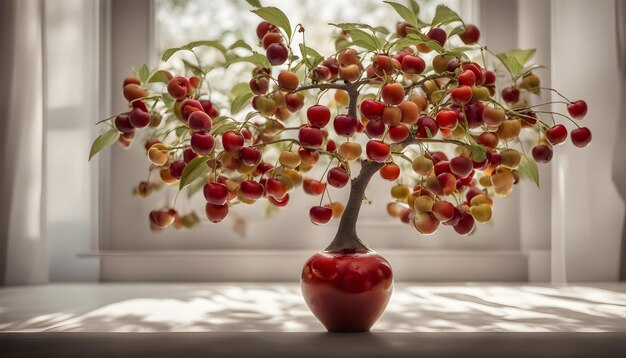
x: 560, y: 114
x: 276, y: 141
x: 557, y: 92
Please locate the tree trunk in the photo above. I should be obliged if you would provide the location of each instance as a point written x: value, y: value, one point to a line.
x: 347, y: 239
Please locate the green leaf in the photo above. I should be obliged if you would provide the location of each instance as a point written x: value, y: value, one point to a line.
x: 274, y: 16
x: 312, y: 58
x: 479, y: 153
x: 168, y: 101
x: 353, y: 25
x: 444, y: 15
x: 225, y: 127
x: 255, y: 59
x: 104, y: 140
x: 363, y: 39
x: 215, y: 44
x: 240, y: 102
x: 522, y: 56
x: 169, y: 53
x: 528, y: 168
x: 511, y: 64
x: 193, y: 68
x: 240, y: 44
x: 194, y: 170
x: 404, y: 12
x: 528, y: 69
x: 158, y: 76
x: 195, y: 186
x: 457, y: 30
x: 415, y: 7
x: 254, y: 3
x: 142, y: 73
x: 419, y: 38
x: 239, y: 89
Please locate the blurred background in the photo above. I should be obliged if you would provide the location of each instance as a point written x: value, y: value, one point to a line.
x: 65, y: 219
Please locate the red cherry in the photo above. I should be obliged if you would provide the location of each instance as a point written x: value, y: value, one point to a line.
x: 178, y: 87
x: 202, y: 143
x: 313, y: 187
x: 390, y: 172
x: 199, y: 122
x: 472, y: 192
x: 232, y: 141
x: 139, y: 118
x: 278, y: 203
x: 122, y: 123
x: 176, y: 168
x: 372, y: 109
x: 320, y: 215
x: 337, y: 177
x: 276, y: 189
x: 399, y: 133
x: 162, y: 218
x: 333, y: 66
x: 250, y: 155
x: 318, y: 115
x: 438, y: 34
x: 259, y: 85
x: 557, y: 134
x: 581, y: 136
x: 470, y: 35
x: 377, y: 151
x: 189, y: 155
x: 424, y: 123
x: 310, y: 137
x: 331, y: 146
x: 465, y: 224
x: 442, y: 166
x: 345, y: 125
x: 461, y: 95
x: 271, y: 38
x: 490, y: 78
x: 510, y: 95
x: 216, y: 213
x: 443, y: 210
x: 438, y: 156
x: 393, y: 93
x: 461, y: 166
x: 456, y: 217
x: 413, y: 64
x: 321, y: 73
x: 251, y: 190
x: 188, y: 106
x: 215, y: 193
x: 542, y: 153
x: 447, y: 119
x: 467, y: 78
x: 263, y: 28
x: 474, y: 67
x: 277, y: 54
x: 375, y: 128
x: 577, y: 109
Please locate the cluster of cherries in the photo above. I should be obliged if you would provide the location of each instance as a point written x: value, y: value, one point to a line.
x: 453, y: 105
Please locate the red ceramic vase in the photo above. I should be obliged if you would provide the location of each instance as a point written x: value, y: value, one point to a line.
x: 347, y: 291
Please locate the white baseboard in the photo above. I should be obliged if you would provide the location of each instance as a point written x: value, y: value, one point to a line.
x: 285, y: 265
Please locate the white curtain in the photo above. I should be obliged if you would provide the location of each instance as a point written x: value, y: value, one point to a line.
x: 23, y: 249
x: 619, y: 158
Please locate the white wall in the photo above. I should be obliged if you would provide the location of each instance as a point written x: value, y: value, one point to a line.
x: 587, y: 211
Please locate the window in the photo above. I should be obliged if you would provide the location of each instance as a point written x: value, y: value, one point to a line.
x: 176, y: 22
